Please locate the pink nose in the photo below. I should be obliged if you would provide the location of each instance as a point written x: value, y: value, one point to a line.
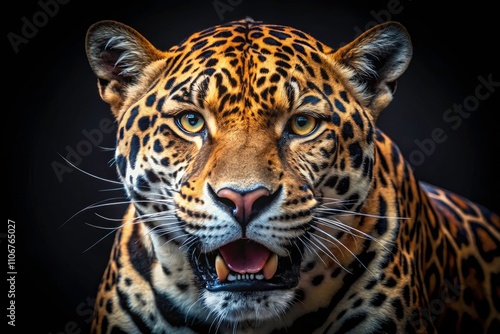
x: 244, y: 203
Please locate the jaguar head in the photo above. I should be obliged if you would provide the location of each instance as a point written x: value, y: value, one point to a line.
x: 244, y: 146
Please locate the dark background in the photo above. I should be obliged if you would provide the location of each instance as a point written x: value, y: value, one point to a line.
x: 52, y: 103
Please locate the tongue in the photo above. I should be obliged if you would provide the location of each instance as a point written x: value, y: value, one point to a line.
x: 245, y: 256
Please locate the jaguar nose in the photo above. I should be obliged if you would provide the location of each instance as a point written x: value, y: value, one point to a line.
x: 244, y: 204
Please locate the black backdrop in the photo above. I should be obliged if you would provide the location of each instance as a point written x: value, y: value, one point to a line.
x: 55, y: 112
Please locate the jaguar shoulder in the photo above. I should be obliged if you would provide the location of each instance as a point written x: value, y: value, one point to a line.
x: 264, y: 199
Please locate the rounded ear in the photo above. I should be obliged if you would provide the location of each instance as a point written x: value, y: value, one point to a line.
x: 117, y: 55
x: 374, y: 61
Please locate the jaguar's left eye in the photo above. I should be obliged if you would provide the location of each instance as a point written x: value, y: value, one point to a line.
x: 191, y: 122
x: 302, y: 125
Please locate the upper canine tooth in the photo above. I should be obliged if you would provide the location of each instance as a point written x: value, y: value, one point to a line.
x: 271, y: 266
x: 221, y: 268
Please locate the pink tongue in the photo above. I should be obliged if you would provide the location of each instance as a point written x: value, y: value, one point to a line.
x: 244, y: 256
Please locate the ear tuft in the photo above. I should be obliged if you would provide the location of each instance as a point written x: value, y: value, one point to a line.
x: 374, y: 61
x: 117, y: 55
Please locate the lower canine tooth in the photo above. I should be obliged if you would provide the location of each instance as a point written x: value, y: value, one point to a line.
x: 221, y: 268
x: 270, y: 267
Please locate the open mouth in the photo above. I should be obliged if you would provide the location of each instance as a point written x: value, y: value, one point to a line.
x: 245, y: 265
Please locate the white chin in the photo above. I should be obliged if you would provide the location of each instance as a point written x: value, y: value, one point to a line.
x: 235, y: 308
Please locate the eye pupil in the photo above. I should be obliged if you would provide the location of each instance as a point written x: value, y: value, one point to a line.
x: 303, y: 125
x: 191, y: 122
x: 192, y: 119
x: 301, y: 121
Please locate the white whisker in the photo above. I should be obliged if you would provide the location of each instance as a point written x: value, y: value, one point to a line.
x: 198, y: 300
x: 111, y: 189
x: 101, y: 239
x: 354, y: 213
x: 176, y: 237
x: 87, y: 173
x: 325, y: 208
x: 187, y: 243
x: 96, y: 205
x: 354, y: 232
x: 333, y: 223
x: 112, y: 149
x: 102, y: 227
x: 343, y: 228
x: 108, y: 218
x: 329, y: 254
x: 344, y: 246
x: 311, y: 247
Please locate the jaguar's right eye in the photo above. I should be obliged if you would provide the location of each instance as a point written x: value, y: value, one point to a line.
x: 303, y: 125
x: 190, y: 122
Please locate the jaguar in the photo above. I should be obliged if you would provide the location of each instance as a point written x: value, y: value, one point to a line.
x: 263, y: 198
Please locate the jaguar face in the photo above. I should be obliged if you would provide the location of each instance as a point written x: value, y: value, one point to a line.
x: 248, y: 149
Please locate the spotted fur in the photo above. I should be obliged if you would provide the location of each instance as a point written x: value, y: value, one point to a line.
x: 256, y: 140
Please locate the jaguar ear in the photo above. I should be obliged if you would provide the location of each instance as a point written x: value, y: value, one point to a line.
x: 373, y: 62
x: 118, y: 55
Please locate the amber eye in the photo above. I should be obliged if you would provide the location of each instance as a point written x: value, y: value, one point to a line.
x: 302, y: 125
x: 191, y: 122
